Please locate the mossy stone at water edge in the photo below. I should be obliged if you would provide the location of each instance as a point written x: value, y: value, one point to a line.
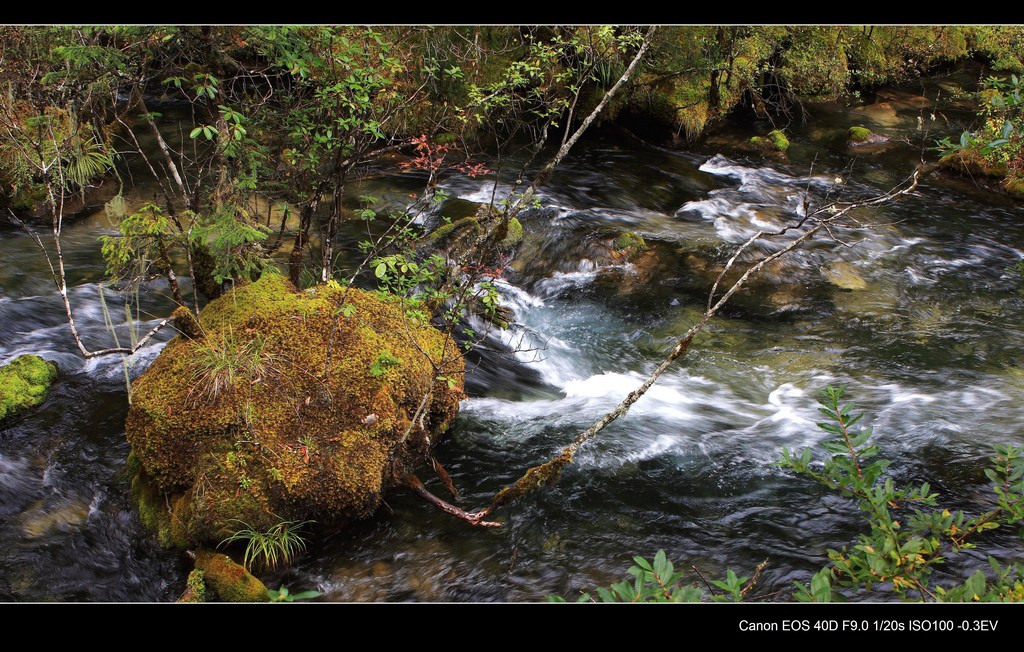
x: 859, y: 134
x: 774, y: 141
x: 227, y: 580
x: 243, y: 424
x: 628, y: 244
x: 24, y: 383
x: 195, y: 587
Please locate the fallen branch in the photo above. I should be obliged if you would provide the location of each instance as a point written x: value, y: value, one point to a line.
x: 416, y: 485
x: 823, y: 217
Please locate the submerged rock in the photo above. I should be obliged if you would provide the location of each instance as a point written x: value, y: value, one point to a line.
x: 252, y: 422
x: 44, y: 518
x: 24, y: 383
x: 844, y: 275
x: 882, y: 113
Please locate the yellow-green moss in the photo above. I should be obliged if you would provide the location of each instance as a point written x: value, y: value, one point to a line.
x: 195, y: 587
x: 970, y: 161
x: 774, y: 141
x: 859, y: 134
x: 24, y: 383
x: 157, y: 512
x: 628, y: 244
x: 630, y: 240
x: 448, y: 235
x: 228, y: 581
x: 1015, y: 185
x: 280, y: 438
x: 513, y: 236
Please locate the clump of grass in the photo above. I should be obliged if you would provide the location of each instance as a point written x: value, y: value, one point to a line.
x: 277, y: 546
x: 219, y: 364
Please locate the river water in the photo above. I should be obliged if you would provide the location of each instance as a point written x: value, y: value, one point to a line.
x: 930, y: 349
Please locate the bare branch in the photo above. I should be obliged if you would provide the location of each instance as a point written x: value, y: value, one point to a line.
x: 563, y: 151
x: 548, y: 472
x: 416, y: 485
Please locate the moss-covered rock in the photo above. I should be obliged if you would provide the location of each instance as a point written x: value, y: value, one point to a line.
x: 971, y: 161
x: 774, y: 141
x: 195, y: 587
x: 252, y: 422
x: 453, y: 234
x: 228, y: 581
x: 628, y: 244
x: 513, y: 236
x: 24, y: 383
x: 858, y: 136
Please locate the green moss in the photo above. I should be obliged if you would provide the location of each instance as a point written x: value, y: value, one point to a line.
x: 228, y: 581
x: 449, y: 235
x: 774, y: 141
x: 185, y: 322
x: 629, y: 240
x: 385, y: 360
x: 513, y: 236
x: 156, y: 511
x: 29, y: 198
x: 859, y: 134
x: 195, y: 587
x: 779, y: 140
x: 282, y: 439
x: 627, y: 245
x: 24, y: 383
x: 970, y: 161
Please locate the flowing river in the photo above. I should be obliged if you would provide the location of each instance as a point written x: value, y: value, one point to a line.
x: 917, y: 313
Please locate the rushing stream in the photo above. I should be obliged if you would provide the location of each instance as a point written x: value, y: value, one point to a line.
x: 931, y: 349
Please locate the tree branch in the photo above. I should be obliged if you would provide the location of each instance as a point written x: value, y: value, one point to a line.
x: 549, y: 472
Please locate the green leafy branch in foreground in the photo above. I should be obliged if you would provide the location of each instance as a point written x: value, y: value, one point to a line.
x: 908, y: 534
x: 906, y: 539
x: 658, y: 581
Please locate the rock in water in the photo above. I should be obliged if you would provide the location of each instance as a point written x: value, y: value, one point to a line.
x: 24, y: 383
x: 844, y: 275
x: 252, y: 422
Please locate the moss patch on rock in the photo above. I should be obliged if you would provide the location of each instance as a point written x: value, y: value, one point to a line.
x: 452, y: 234
x: 513, y: 236
x: 971, y: 161
x: 195, y: 587
x: 774, y: 141
x: 24, y: 383
x: 228, y: 581
x: 252, y: 423
x: 859, y: 134
x: 628, y: 244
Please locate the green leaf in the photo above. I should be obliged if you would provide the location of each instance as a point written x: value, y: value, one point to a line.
x: 381, y: 270
x: 195, y: 132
